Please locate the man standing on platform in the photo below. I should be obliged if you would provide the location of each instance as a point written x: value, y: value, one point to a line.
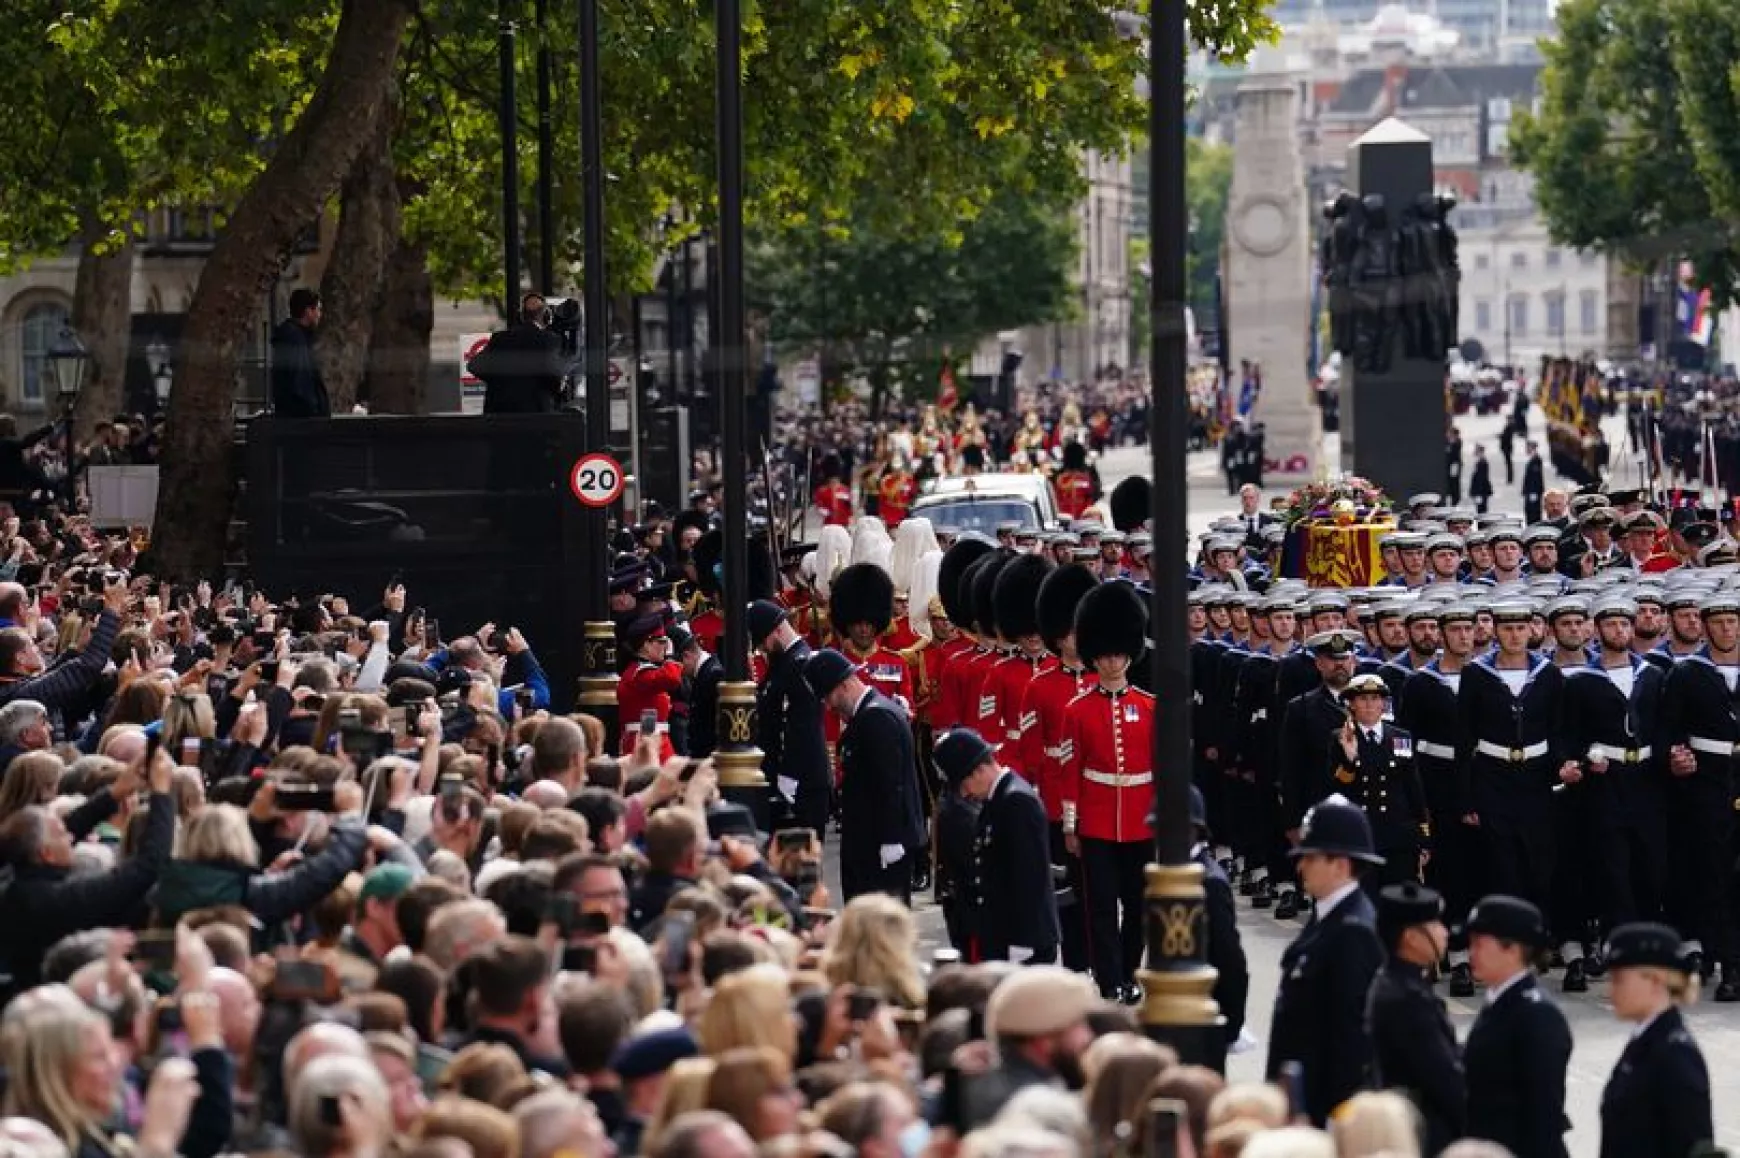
x: 881, y: 822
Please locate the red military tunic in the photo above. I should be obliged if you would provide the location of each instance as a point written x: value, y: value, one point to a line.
x: 835, y: 500
x: 708, y: 628
x: 647, y: 687
x: 948, y: 712
x: 883, y: 669
x: 896, y: 491
x: 901, y: 637
x: 1007, y: 685
x: 1108, y: 764
x: 1048, y: 698
x: 1074, y: 490
x: 981, y: 694
x: 927, y: 662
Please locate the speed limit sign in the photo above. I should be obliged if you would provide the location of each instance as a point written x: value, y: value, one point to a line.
x: 597, y: 480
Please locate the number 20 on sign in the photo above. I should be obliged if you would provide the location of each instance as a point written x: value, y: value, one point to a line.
x: 596, y: 480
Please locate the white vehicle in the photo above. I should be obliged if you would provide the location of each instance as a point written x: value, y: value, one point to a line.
x: 983, y: 502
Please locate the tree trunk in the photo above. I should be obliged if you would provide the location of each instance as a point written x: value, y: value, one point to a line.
x: 350, y: 293
x: 102, y: 316
x: 198, y: 478
x: 399, y: 352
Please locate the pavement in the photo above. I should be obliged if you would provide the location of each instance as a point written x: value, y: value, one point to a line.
x: 1599, y: 1038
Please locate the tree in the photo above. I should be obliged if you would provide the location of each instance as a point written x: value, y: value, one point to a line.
x: 871, y: 298
x: 1616, y: 163
x: 1208, y: 183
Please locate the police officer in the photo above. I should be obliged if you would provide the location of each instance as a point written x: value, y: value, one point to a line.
x: 1520, y: 1045
x: 1226, y: 951
x: 1701, y: 730
x: 1657, y: 1101
x: 1306, y: 728
x: 1013, y: 902
x: 789, y: 721
x: 1319, y: 1017
x: 1372, y: 762
x: 1413, y: 1044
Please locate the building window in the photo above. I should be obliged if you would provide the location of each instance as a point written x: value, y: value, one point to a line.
x: 1587, y: 304
x: 1586, y: 259
x: 1481, y: 261
x: 42, y: 325
x: 1556, y: 315
x: 1519, y: 259
x: 1519, y: 316
x: 1482, y: 316
x: 1553, y: 259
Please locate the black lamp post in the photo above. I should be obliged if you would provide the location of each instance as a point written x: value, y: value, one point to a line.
x: 510, y: 162
x: 1178, y: 984
x: 68, y: 362
x: 598, y: 652
x: 740, y: 778
x: 159, y: 360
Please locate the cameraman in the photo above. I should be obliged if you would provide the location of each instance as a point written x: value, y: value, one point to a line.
x: 522, y: 366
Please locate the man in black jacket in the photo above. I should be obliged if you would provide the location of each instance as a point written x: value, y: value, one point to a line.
x: 881, y: 824
x: 1306, y: 727
x: 522, y: 366
x: 44, y: 901
x: 1413, y: 1045
x: 789, y: 722
x: 674, y: 840
x: 705, y: 673
x: 1013, y: 900
x: 298, y: 391
x: 23, y: 675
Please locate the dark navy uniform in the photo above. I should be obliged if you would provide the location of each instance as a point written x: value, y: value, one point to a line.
x: 1226, y: 950
x: 957, y: 823
x: 878, y: 799
x: 1413, y: 1049
x: 1698, y: 711
x: 1015, y: 904
x: 1306, y: 733
x: 1428, y: 711
x: 1657, y: 1101
x: 1515, y: 1060
x: 1383, y: 781
x: 789, y: 733
x: 1256, y: 757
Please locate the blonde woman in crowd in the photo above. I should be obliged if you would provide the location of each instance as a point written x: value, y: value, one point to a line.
x: 1377, y: 1123
x: 874, y: 945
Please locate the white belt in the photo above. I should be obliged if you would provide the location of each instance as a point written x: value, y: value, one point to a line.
x: 1114, y: 780
x: 1512, y: 755
x: 1436, y: 751
x: 1620, y: 755
x: 1713, y: 747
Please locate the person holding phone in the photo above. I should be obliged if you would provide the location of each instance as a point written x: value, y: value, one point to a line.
x: 1013, y: 900
x: 643, y: 695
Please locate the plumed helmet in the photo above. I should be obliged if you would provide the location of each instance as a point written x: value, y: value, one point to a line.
x: 1059, y: 596
x: 709, y: 551
x: 1130, y: 500
x: 985, y: 589
x: 1016, y: 597
x: 957, y: 599
x: 862, y: 593
x: 924, y: 591
x: 913, y: 540
x: 833, y: 552
x: 1111, y: 620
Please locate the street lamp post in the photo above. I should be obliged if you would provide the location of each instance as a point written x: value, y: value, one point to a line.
x: 159, y: 360
x: 546, y: 158
x: 510, y: 163
x: 598, y: 652
x: 1178, y: 1006
x: 739, y: 760
x: 68, y: 362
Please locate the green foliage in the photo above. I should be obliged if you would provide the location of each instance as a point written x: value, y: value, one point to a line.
x: 1207, y: 185
x: 1633, y: 150
x: 873, y: 297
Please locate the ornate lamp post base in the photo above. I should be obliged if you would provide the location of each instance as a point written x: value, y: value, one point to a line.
x: 598, y: 680
x: 738, y: 759
x: 1178, y: 1008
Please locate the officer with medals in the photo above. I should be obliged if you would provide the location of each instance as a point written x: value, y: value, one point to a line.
x: 1657, y: 1100
x: 1518, y: 1050
x: 1701, y: 730
x: 1413, y: 1045
x: 1319, y: 1017
x: 1372, y: 763
x: 1306, y: 729
x: 1014, y: 907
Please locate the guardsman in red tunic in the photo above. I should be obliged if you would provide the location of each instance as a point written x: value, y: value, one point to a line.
x: 955, y: 592
x: 1048, y: 698
x: 834, y: 497
x: 1077, y: 485
x: 900, y: 635
x: 896, y: 490
x: 982, y: 706
x: 648, y: 684
x: 1108, y: 784
x: 1016, y: 605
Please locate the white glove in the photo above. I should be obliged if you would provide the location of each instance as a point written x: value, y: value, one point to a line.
x: 892, y: 854
x: 1019, y: 956
x: 788, y: 788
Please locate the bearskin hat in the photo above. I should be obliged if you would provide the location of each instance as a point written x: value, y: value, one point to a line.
x: 1016, y: 597
x: 1111, y: 620
x: 957, y: 600
x: 708, y: 553
x: 763, y: 575
x: 1059, y: 595
x: 985, y: 589
x: 1130, y: 500
x: 862, y: 593
x: 1074, y: 456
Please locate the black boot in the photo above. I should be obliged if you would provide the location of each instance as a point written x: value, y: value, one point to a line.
x: 1575, y: 981
x: 1247, y: 884
x: 1728, y: 989
x: 1461, y: 981
x: 1264, y: 896
x: 1287, y: 907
